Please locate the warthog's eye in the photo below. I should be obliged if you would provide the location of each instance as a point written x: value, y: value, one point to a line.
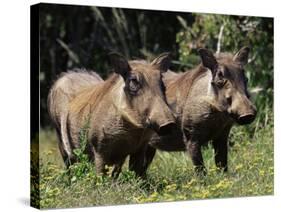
x: 229, y: 100
x: 220, y: 75
x: 221, y: 83
x: 133, y: 85
x: 220, y: 80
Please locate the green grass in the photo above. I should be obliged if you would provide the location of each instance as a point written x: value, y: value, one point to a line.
x: 170, y: 177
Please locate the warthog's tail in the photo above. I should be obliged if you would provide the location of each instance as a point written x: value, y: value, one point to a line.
x: 58, y: 113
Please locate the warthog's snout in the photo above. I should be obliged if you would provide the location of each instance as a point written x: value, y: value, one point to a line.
x: 246, y: 118
x: 167, y: 128
x: 161, y: 119
x: 163, y: 129
x: 243, y: 111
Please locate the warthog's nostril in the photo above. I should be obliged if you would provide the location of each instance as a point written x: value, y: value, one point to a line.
x: 246, y: 119
x: 166, y: 129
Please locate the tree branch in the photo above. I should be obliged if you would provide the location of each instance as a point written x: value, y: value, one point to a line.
x: 220, y: 39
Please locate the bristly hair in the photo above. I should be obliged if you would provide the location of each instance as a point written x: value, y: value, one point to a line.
x: 183, y: 84
x: 84, y: 72
x: 224, y: 57
x: 93, y: 95
x: 70, y: 83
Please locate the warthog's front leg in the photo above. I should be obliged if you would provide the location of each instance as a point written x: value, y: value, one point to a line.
x: 117, y: 168
x: 140, y: 161
x: 149, y: 155
x: 220, y: 148
x: 194, y: 150
x: 220, y: 145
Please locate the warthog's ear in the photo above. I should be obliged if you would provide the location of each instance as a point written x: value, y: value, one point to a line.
x: 208, y: 59
x: 162, y: 62
x: 120, y: 64
x: 242, y: 56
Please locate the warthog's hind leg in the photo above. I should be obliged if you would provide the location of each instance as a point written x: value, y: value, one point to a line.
x: 100, y: 164
x: 67, y: 159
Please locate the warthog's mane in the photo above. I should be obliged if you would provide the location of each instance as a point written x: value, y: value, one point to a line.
x: 82, y: 71
x: 77, y: 74
x: 183, y: 83
x: 69, y: 83
x: 189, y: 77
x: 94, y: 94
x: 74, y: 79
x: 224, y: 57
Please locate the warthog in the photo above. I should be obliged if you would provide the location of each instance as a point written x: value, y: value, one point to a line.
x: 207, y: 101
x: 121, y: 112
